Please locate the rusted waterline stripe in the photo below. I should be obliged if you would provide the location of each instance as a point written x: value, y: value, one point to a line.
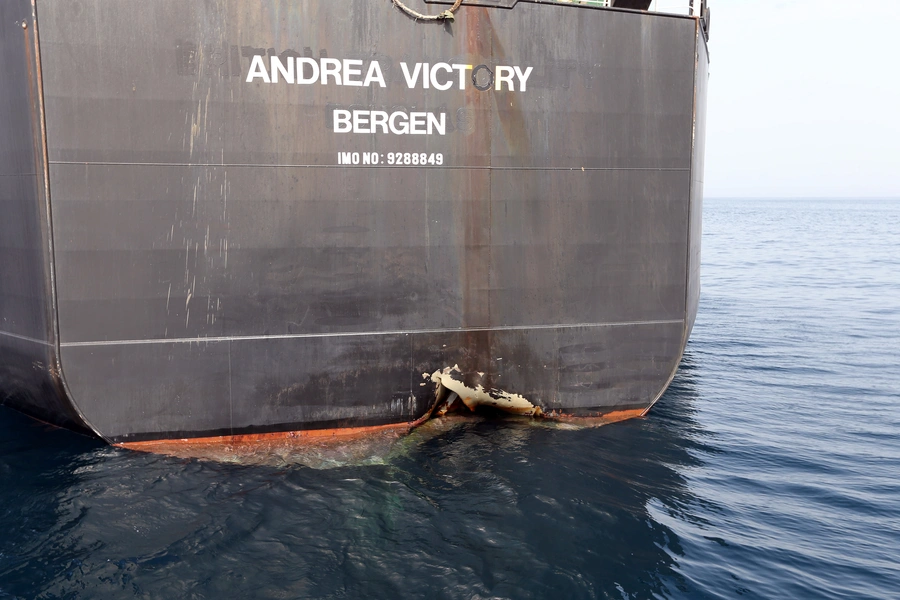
x: 317, y: 435
x: 310, y: 435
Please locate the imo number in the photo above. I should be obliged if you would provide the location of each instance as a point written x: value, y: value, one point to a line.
x: 415, y: 158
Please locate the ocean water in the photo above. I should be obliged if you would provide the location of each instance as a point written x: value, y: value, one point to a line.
x: 769, y: 469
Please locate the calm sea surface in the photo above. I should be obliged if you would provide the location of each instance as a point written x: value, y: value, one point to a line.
x: 770, y: 469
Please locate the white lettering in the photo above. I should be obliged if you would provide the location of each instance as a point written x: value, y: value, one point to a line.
x: 439, y: 125
x: 342, y: 121
x: 505, y: 74
x: 523, y: 77
x: 403, y: 127
x: 258, y: 69
x: 462, y: 74
x: 278, y: 67
x: 331, y: 66
x: 434, y: 82
x: 379, y: 119
x: 398, y: 122
x: 314, y: 68
x: 361, y: 121
x: 374, y: 74
x: 411, y: 79
x: 351, y: 71
x: 417, y: 123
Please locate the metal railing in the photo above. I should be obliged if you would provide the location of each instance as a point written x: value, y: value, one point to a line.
x: 676, y: 7
x: 695, y: 8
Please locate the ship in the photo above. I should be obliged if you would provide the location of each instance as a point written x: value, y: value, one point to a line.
x: 246, y: 220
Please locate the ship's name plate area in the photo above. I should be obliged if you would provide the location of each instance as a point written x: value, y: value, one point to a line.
x: 304, y: 70
x: 265, y: 67
x: 441, y: 76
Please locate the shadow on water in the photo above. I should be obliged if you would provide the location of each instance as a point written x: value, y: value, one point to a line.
x: 488, y: 508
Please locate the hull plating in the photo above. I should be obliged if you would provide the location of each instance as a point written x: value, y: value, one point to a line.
x: 254, y: 229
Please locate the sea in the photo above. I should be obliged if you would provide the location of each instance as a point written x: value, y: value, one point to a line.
x: 769, y: 469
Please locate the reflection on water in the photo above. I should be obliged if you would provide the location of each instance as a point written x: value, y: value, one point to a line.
x: 489, y: 508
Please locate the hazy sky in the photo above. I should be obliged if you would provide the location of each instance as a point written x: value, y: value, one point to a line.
x: 804, y: 98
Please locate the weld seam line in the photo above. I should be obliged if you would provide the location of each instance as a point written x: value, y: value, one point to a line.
x: 25, y: 338
x: 292, y: 336
x: 380, y: 166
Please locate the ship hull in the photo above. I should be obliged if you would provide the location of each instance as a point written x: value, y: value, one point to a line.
x: 202, y: 247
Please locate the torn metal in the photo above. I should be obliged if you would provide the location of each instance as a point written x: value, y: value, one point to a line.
x: 451, y: 389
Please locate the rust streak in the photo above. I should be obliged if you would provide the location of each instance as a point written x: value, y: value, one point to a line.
x: 32, y: 100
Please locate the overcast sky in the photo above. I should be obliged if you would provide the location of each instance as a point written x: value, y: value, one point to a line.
x: 804, y: 99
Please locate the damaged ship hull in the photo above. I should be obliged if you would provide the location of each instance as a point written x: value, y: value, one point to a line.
x: 230, y: 218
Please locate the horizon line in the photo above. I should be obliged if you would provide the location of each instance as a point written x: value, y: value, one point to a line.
x: 717, y: 197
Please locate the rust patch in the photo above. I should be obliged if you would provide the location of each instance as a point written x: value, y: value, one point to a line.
x: 319, y: 448
x: 305, y: 434
x: 598, y: 419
